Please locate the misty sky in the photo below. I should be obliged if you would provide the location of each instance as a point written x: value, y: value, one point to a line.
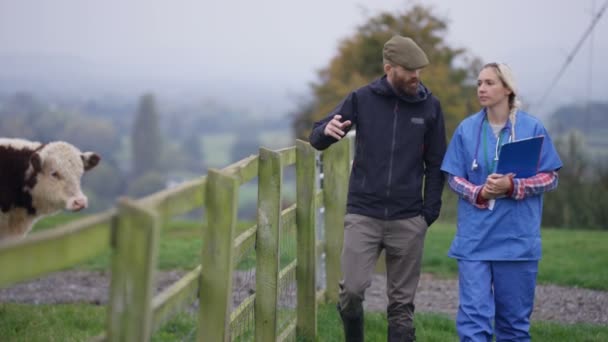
x: 276, y: 46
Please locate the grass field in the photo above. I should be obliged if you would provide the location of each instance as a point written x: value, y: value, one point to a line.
x: 570, y: 258
x: 217, y: 147
x: 77, y: 322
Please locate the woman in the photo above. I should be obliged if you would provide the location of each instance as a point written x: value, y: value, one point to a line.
x: 497, y: 243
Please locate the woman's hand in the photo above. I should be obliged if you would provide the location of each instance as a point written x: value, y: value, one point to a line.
x: 497, y: 185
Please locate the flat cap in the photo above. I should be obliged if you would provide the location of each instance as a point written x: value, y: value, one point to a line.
x: 404, y: 51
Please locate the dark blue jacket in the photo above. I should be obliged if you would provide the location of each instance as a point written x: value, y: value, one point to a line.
x: 399, y: 141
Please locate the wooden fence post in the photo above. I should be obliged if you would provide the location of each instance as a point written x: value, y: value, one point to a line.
x: 306, y: 326
x: 336, y: 171
x: 135, y: 243
x: 270, y: 184
x: 217, y: 257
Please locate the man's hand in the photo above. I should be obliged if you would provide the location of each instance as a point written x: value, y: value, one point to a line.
x: 497, y: 185
x: 335, y: 128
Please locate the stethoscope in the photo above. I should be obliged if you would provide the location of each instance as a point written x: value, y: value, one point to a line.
x: 482, y: 129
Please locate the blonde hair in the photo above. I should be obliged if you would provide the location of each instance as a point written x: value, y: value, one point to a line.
x: 505, y: 75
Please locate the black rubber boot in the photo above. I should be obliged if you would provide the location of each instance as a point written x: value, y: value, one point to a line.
x: 401, y: 334
x: 353, y: 326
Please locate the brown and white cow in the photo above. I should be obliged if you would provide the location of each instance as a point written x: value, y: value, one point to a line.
x: 37, y: 180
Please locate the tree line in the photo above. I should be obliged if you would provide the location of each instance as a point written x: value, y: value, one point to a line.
x: 143, y: 146
x: 581, y: 200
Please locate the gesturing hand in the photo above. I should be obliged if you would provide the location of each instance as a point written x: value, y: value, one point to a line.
x: 335, y: 128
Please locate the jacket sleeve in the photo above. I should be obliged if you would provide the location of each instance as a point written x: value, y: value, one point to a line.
x: 434, y: 150
x: 347, y: 109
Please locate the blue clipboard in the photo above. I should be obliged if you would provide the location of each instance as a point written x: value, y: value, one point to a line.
x: 520, y: 157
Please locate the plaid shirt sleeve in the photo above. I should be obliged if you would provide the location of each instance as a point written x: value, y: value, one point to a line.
x: 467, y: 190
x: 535, y: 185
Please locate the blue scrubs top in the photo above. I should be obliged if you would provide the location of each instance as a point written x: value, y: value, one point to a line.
x: 511, y: 231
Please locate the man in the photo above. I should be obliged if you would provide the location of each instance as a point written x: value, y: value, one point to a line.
x: 400, y: 141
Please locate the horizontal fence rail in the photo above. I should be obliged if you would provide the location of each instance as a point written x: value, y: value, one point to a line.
x: 131, y: 233
x: 175, y: 297
x: 178, y: 200
x: 55, y: 249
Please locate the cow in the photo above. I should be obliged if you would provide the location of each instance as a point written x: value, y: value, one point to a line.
x: 38, y: 180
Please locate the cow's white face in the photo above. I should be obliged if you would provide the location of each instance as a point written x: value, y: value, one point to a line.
x: 59, y: 168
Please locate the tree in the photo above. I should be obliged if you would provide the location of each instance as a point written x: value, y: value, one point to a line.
x: 146, y: 137
x: 19, y: 115
x: 359, y: 61
x: 90, y: 134
x: 581, y: 198
x: 106, y: 183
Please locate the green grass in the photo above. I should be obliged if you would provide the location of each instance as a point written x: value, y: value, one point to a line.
x: 570, y: 257
x: 544, y: 331
x: 180, y: 245
x: 77, y: 322
x: 56, y: 220
x: 73, y: 322
x: 575, y: 258
x: 441, y: 328
x: 428, y: 327
x: 436, y: 245
x: 180, y: 328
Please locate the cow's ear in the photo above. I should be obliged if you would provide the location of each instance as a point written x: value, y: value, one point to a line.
x: 90, y: 160
x: 36, y: 162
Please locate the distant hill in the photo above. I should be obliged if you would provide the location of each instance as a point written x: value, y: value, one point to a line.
x: 585, y: 118
x: 590, y: 121
x: 60, y: 76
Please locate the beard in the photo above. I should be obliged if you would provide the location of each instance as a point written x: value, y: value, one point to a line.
x: 406, y: 86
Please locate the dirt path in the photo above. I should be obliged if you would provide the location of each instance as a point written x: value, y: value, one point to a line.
x: 553, y: 303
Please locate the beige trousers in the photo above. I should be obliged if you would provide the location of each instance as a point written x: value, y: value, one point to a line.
x: 403, y: 242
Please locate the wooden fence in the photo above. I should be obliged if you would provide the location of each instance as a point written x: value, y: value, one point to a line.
x: 131, y: 232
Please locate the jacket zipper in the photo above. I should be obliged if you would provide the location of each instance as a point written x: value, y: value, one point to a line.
x: 390, y: 164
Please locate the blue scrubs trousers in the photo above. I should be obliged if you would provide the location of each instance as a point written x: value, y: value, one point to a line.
x: 499, y: 292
